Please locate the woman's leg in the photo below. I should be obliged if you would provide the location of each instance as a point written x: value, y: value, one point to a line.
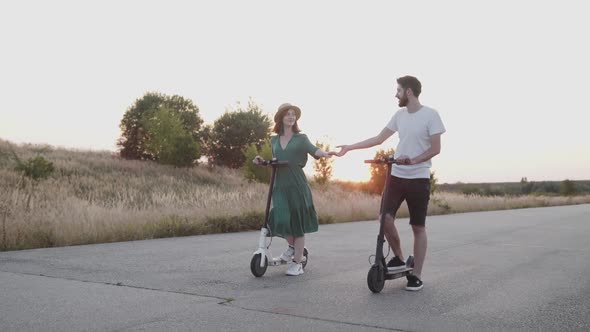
x: 287, y: 255
x: 299, y: 244
x: 290, y: 240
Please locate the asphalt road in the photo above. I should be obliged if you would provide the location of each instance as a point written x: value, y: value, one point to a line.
x: 523, y: 269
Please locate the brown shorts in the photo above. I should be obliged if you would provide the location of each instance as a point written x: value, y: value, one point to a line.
x: 416, y: 193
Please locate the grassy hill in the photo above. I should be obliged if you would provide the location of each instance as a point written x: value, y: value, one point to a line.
x: 94, y: 197
x: 516, y: 188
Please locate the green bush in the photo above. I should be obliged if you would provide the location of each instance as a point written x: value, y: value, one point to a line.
x: 254, y: 172
x: 36, y: 168
x: 233, y: 132
x: 134, y: 135
x: 168, y: 141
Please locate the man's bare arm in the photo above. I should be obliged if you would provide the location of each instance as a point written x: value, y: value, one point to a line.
x: 370, y: 142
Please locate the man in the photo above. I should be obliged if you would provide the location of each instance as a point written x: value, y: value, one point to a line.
x: 419, y: 128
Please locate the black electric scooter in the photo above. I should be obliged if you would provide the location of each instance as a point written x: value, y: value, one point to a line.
x: 378, y: 272
x: 262, y: 257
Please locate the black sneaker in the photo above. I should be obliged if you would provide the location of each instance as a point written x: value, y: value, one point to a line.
x: 414, y: 284
x: 395, y: 264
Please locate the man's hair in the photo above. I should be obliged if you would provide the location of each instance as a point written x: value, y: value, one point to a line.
x: 410, y: 82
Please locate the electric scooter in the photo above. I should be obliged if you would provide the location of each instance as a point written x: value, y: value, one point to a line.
x: 262, y: 257
x: 378, y: 272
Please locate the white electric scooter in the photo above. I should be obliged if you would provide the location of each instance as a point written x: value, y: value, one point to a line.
x: 262, y: 257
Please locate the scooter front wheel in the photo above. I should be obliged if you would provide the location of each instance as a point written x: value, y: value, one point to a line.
x: 376, y: 278
x: 257, y: 270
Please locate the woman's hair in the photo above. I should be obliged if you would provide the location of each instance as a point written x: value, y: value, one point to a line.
x: 278, y: 128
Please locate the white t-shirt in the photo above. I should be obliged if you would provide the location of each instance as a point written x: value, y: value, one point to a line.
x: 414, y: 131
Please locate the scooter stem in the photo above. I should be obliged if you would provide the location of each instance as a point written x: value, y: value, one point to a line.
x: 381, y: 235
x: 262, y: 238
x: 270, y: 189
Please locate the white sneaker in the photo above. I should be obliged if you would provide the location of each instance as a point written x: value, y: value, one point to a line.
x: 294, y: 269
x: 287, y: 256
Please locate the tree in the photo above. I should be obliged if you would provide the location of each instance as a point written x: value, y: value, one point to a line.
x: 379, y: 172
x: 567, y: 188
x: 168, y: 141
x: 526, y: 187
x: 323, y: 166
x: 133, y: 138
x: 433, y: 183
x: 233, y: 132
x: 254, y: 172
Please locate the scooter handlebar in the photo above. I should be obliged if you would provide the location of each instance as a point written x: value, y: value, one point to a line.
x: 273, y: 162
x: 388, y: 160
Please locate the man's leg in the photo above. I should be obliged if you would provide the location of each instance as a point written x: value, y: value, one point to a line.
x: 420, y: 245
x: 392, y: 236
x: 417, y: 198
x: 392, y: 199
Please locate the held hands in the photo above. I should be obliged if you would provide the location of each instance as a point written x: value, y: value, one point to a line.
x: 342, y: 152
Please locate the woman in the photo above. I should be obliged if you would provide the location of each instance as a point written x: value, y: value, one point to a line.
x: 292, y: 214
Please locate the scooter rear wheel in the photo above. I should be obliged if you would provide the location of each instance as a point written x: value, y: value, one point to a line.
x: 376, y: 285
x: 257, y: 270
x: 410, y: 261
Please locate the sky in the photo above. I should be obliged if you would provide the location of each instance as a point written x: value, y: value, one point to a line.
x: 508, y: 78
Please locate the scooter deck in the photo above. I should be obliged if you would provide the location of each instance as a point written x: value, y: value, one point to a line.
x: 398, y: 273
x: 277, y: 261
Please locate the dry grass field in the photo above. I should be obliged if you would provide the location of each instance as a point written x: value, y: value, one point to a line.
x: 95, y: 197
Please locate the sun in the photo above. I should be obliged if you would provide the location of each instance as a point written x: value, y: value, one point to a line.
x: 346, y: 168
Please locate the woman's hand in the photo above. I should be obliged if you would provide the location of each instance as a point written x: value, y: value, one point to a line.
x: 257, y: 160
x: 322, y: 154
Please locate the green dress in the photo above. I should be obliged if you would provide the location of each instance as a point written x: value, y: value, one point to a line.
x: 292, y: 210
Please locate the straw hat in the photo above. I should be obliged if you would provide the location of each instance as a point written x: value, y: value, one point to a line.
x: 284, y: 108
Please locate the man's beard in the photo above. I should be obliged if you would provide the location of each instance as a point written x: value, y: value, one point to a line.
x: 403, y: 102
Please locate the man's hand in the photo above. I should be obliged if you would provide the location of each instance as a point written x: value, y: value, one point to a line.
x: 404, y: 160
x: 342, y: 152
